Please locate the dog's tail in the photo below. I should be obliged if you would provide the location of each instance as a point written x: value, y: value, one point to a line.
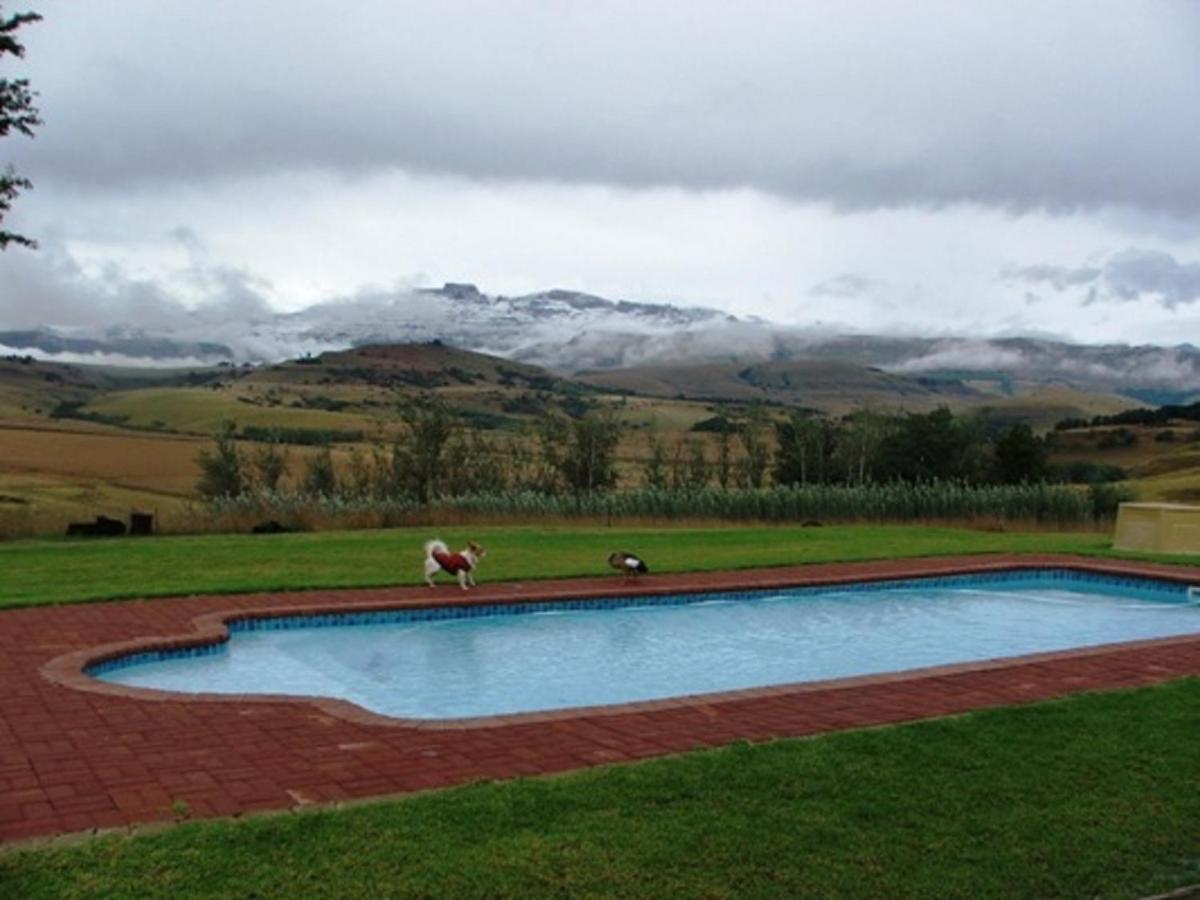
x: 435, y: 546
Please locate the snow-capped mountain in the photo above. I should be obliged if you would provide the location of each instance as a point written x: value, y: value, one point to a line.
x: 458, y: 314
x: 462, y: 315
x: 569, y: 331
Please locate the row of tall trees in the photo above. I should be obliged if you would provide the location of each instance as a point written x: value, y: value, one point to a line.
x: 869, y: 446
x: 434, y: 455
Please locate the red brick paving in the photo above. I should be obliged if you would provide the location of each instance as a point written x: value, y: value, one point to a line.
x: 76, y: 754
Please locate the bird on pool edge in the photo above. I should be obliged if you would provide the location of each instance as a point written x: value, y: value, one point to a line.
x: 629, y: 563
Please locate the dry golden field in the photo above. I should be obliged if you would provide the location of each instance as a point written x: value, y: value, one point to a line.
x: 54, y: 472
x: 51, y: 474
x: 163, y: 464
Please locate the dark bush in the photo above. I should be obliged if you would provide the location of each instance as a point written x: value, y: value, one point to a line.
x: 1122, y: 437
x: 1069, y: 423
x: 1085, y: 472
x: 488, y: 421
x: 307, y: 437
x: 715, y: 425
x: 1105, y: 498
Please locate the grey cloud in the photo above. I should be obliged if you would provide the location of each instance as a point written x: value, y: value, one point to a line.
x: 1127, y: 276
x: 1058, y: 277
x: 841, y: 286
x: 856, y: 106
x: 50, y: 288
x: 1135, y: 273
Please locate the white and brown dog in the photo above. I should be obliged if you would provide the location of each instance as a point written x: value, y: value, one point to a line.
x: 462, y: 564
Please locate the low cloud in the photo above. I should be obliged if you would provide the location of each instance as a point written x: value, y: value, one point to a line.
x: 107, y: 359
x: 716, y: 341
x: 52, y: 290
x: 964, y: 354
x: 1130, y: 275
x: 1058, y: 277
x: 841, y: 286
x: 1103, y: 367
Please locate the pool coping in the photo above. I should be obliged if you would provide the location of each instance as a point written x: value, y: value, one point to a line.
x: 75, y: 759
x: 71, y: 669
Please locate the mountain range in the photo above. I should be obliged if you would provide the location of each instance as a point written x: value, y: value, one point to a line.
x: 571, y: 332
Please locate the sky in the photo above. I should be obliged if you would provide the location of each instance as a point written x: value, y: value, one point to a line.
x: 942, y: 168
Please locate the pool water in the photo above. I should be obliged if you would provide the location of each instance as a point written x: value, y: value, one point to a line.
x: 451, y: 663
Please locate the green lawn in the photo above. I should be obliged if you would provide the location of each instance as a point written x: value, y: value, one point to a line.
x: 1094, y: 796
x: 60, y: 571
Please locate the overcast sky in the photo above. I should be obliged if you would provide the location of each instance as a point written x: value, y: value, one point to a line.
x: 970, y: 168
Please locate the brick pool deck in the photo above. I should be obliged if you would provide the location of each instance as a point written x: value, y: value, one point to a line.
x: 76, y: 754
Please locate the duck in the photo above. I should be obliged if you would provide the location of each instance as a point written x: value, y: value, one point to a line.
x: 629, y: 563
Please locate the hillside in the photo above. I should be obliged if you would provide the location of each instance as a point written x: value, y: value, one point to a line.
x: 350, y: 394
x: 836, y: 388
x: 29, y: 388
x: 35, y: 388
x: 1041, y: 406
x: 828, y: 386
x: 429, y: 365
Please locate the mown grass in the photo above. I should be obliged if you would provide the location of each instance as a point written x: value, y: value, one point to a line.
x: 1093, y: 796
x: 62, y: 571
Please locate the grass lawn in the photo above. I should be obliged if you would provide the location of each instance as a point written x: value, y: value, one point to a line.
x: 60, y: 571
x: 1093, y: 796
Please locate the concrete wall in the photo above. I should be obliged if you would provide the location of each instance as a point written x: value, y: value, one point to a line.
x: 1158, y: 528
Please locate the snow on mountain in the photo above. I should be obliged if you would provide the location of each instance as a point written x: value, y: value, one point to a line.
x: 571, y: 331
x: 459, y: 314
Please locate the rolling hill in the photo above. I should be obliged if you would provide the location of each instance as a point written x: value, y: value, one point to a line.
x: 836, y: 387
x: 357, y: 391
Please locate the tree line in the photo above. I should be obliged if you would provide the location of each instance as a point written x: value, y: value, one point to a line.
x: 434, y: 456
x: 1161, y: 415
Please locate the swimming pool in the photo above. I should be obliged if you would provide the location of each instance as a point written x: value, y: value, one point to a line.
x: 456, y: 661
